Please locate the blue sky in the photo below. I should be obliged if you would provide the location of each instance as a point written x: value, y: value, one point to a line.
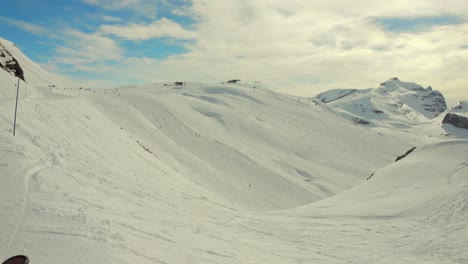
x: 418, y: 24
x: 19, y: 20
x: 302, y: 47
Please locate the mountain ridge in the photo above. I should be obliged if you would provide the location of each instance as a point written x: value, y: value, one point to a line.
x: 394, y: 103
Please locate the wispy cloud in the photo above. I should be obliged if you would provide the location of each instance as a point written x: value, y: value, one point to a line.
x: 103, y: 17
x: 146, y: 7
x: 110, y: 19
x: 29, y: 27
x: 82, y: 48
x: 159, y: 28
x: 79, y: 52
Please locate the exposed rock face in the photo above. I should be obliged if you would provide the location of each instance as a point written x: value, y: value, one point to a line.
x: 456, y: 120
x: 9, y: 63
x: 436, y: 102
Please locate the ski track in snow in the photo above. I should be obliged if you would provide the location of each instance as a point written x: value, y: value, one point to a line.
x: 24, y: 205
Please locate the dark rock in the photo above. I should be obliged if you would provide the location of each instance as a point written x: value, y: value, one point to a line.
x: 12, y: 65
x: 372, y: 175
x: 360, y: 121
x: 406, y: 154
x: 418, y: 88
x: 456, y: 120
x: 435, y: 102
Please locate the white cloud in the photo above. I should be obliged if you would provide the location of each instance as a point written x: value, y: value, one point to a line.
x: 300, y: 47
x: 145, y: 7
x: 113, y: 4
x: 110, y: 18
x: 29, y: 27
x: 159, y: 28
x: 304, y: 47
x: 85, y: 52
x: 103, y: 17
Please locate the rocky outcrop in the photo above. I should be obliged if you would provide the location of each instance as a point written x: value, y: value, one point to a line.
x: 456, y: 120
x: 9, y: 63
x: 435, y: 101
x: 406, y: 154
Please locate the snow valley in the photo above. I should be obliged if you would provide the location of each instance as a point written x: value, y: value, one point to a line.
x: 224, y: 173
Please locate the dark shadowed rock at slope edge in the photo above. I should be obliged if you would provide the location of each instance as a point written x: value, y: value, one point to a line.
x: 10, y: 64
x: 406, y: 154
x: 456, y: 120
x: 359, y: 121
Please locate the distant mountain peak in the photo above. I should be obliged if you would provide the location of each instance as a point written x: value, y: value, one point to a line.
x: 458, y: 115
x: 461, y: 107
x: 394, y: 83
x: 393, y: 103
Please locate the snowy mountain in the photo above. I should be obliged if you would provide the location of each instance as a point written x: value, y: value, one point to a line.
x: 394, y: 103
x: 460, y: 109
x: 217, y: 173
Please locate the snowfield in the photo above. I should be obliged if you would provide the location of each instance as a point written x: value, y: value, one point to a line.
x: 212, y: 173
x: 394, y: 104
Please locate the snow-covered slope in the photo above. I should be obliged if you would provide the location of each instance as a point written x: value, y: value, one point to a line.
x: 460, y: 109
x: 394, y: 104
x: 270, y: 146
x: 221, y: 174
x: 411, y: 211
x: 30, y: 73
x: 445, y: 170
x: 182, y: 174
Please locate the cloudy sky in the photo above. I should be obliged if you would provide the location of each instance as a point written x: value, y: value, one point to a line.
x: 294, y: 46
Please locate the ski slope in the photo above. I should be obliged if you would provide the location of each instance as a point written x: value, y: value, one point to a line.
x: 411, y: 211
x: 125, y: 178
x: 211, y: 173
